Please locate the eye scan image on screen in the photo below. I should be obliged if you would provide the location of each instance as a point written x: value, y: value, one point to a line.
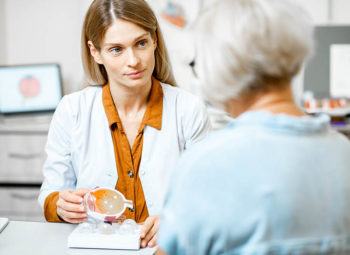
x: 29, y: 88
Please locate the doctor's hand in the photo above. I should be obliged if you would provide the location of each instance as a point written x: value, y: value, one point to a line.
x: 149, y: 231
x: 70, y: 206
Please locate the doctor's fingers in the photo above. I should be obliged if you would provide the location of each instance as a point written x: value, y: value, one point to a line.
x: 63, y: 215
x: 153, y: 241
x: 148, y: 224
x: 81, y: 192
x: 74, y: 221
x: 70, y: 215
x: 70, y: 196
x: 71, y: 207
x: 151, y: 235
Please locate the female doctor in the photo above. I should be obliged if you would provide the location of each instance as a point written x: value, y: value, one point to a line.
x: 127, y: 132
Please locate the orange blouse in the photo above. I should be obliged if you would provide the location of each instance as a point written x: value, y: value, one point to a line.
x: 128, y: 158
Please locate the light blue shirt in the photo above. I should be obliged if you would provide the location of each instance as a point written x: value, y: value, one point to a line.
x: 266, y: 184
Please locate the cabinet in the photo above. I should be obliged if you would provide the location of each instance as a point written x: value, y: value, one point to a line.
x: 22, y: 157
x: 22, y: 144
x: 20, y: 203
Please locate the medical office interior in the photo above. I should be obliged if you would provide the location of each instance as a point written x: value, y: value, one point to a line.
x: 45, y: 35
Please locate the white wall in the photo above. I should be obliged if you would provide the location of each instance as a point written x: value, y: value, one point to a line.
x: 340, y: 12
x: 38, y: 31
x: 327, y: 12
x: 318, y: 9
x: 46, y: 31
x: 2, y: 33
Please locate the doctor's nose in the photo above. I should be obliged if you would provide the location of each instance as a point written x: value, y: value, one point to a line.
x: 132, y: 58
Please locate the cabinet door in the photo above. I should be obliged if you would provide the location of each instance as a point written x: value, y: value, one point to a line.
x: 22, y: 157
x: 20, y: 204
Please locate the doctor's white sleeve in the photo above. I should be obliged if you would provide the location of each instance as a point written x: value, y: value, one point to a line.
x: 58, y: 170
x: 196, y: 123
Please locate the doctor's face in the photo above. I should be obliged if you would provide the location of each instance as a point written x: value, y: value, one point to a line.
x: 127, y: 53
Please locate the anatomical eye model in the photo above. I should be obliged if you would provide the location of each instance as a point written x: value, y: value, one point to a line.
x: 106, y: 205
x: 104, y: 229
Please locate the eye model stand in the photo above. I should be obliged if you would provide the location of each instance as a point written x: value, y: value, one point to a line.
x: 101, y: 235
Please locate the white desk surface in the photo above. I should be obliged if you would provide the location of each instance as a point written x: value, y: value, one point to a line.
x: 42, y: 238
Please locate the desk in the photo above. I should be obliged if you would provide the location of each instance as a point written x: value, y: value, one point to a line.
x: 42, y: 238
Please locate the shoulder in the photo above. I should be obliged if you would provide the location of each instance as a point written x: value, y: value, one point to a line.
x: 88, y: 93
x: 176, y: 92
x: 211, y: 150
x: 72, y: 104
x: 184, y: 100
x: 338, y: 141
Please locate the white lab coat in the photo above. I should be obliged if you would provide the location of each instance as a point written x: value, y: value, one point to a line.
x: 80, y: 152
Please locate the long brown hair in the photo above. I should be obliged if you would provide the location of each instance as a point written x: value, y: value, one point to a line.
x: 100, y: 17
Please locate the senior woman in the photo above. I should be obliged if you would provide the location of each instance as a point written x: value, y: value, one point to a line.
x: 275, y: 181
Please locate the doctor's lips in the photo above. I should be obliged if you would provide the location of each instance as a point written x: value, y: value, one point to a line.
x: 136, y: 74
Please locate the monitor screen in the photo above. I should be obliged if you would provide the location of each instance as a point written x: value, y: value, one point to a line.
x: 318, y: 72
x: 30, y: 88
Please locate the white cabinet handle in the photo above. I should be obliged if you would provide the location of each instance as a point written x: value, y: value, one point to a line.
x: 24, y: 196
x: 23, y: 156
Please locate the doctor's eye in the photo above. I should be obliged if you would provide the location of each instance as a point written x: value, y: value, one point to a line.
x: 116, y: 51
x: 142, y: 43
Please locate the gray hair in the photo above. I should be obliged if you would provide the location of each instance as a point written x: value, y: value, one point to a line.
x: 249, y: 45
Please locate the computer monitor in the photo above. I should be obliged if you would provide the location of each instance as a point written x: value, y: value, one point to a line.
x: 318, y: 72
x: 30, y: 88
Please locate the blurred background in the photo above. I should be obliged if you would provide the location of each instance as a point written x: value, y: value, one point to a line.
x: 37, y: 31
x: 43, y: 37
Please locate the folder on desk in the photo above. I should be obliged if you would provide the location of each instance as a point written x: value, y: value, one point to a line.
x: 3, y: 223
x: 95, y: 240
